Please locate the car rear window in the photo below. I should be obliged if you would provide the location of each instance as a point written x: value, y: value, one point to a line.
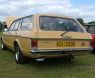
x: 48, y: 23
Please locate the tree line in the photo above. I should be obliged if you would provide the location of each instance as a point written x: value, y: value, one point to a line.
x: 1, y: 26
x: 82, y: 22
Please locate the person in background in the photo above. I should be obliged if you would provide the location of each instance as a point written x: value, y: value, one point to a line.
x: 5, y: 25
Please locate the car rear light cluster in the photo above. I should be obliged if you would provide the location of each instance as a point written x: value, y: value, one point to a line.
x: 34, y: 44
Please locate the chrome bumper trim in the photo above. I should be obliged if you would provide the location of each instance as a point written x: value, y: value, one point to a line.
x: 64, y: 50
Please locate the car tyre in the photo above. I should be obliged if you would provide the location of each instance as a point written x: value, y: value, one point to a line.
x: 19, y: 58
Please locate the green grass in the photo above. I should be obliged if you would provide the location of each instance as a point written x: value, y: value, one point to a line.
x: 1, y: 33
x: 82, y: 67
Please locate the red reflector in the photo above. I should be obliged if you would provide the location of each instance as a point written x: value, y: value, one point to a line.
x: 34, y: 43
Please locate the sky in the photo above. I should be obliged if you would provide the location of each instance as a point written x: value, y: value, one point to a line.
x: 74, y: 8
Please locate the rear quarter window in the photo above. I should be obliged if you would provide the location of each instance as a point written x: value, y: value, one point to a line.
x: 26, y: 23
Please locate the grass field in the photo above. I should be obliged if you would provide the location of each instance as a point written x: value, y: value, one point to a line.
x: 81, y: 67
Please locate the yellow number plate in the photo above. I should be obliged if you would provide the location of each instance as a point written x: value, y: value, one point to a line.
x: 66, y: 44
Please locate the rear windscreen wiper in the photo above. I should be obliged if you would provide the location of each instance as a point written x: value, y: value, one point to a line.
x: 64, y: 33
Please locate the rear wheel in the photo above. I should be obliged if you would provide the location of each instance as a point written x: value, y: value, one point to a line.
x: 20, y: 59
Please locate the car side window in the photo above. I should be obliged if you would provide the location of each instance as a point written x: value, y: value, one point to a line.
x: 17, y: 23
x: 12, y: 26
x: 26, y: 23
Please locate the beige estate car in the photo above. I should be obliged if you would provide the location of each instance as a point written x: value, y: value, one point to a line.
x: 41, y: 36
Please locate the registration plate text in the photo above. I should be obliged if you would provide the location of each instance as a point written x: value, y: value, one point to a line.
x: 65, y: 44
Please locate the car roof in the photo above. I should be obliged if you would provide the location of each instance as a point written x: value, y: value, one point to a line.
x: 48, y: 14
x: 51, y: 14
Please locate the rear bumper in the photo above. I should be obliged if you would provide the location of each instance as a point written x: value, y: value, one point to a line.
x: 64, y: 51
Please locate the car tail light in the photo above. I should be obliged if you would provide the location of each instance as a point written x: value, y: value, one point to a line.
x: 34, y: 44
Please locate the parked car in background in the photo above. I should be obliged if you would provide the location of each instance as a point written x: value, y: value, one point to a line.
x: 42, y: 36
x: 91, y: 29
x: 9, y: 20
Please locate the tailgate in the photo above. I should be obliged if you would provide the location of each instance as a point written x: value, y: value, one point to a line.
x: 54, y: 40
